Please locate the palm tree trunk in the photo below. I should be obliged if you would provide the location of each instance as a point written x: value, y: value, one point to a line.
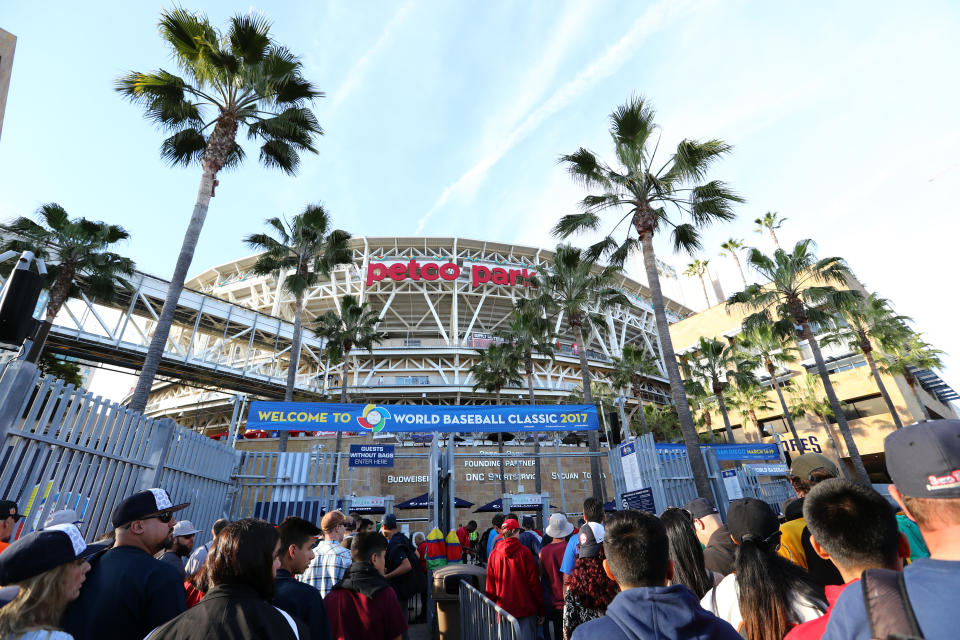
x: 58, y: 295
x: 883, y: 389
x: 783, y: 405
x: 643, y: 414
x: 825, y: 423
x: 708, y: 421
x: 593, y: 440
x: 343, y: 400
x: 736, y: 259
x: 677, y: 392
x: 861, y: 470
x: 503, y: 480
x: 528, y: 364
x: 774, y: 236
x: 756, y: 424
x: 159, y: 340
x: 293, y: 366
x: 726, y: 418
x: 706, y: 298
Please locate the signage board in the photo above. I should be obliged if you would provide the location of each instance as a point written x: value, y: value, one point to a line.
x: 641, y: 499
x: 732, y: 484
x: 631, y: 466
x: 732, y: 451
x: 372, y: 418
x: 398, y: 271
x: 767, y: 469
x: 371, y: 455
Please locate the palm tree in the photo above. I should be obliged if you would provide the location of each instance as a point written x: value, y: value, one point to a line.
x: 655, y: 196
x: 700, y: 397
x: 747, y: 398
x: 905, y: 357
x: 495, y: 369
x: 580, y: 293
x: 732, y: 248
x: 714, y: 363
x: 800, y: 291
x: 305, y: 248
x: 763, y: 343
x: 771, y: 221
x: 238, y: 79
x: 77, y: 259
x: 805, y: 399
x: 697, y: 269
x: 528, y: 331
x: 870, y: 320
x: 354, y: 326
x: 629, y: 370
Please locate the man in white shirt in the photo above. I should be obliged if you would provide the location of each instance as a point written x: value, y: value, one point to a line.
x: 331, y: 559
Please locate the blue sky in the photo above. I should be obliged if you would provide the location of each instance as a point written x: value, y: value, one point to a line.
x: 447, y: 118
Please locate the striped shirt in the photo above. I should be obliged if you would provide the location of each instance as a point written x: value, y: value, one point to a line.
x: 328, y: 566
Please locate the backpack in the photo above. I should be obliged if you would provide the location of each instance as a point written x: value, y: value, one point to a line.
x: 888, y: 606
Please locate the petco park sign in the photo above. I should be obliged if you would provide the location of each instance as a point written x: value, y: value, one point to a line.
x: 430, y: 271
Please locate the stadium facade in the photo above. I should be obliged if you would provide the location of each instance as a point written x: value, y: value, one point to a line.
x: 439, y: 300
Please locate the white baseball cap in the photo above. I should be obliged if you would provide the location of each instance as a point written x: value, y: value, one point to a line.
x: 184, y: 528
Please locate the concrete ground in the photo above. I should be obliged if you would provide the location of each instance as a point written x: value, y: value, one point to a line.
x: 420, y: 632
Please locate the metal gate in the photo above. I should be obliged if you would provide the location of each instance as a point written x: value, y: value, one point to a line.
x: 272, y: 485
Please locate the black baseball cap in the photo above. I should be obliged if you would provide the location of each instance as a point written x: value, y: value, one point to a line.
x: 590, y: 538
x: 389, y: 521
x: 8, y: 509
x: 924, y: 459
x: 41, y: 551
x: 699, y: 508
x: 749, y: 516
x: 144, y: 504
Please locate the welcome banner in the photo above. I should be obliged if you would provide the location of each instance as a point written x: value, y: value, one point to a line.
x: 398, y: 418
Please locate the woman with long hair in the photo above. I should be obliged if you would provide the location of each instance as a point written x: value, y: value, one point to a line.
x: 241, y: 570
x: 48, y: 567
x: 686, y: 553
x: 589, y: 588
x: 767, y: 594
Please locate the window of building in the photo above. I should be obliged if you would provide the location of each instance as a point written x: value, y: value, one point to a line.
x: 863, y: 407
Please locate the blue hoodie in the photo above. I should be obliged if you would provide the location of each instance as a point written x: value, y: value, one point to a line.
x: 656, y: 613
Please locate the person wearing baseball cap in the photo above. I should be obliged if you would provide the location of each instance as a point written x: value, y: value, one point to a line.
x: 128, y: 592
x: 513, y: 581
x: 589, y: 589
x: 923, y: 461
x: 766, y: 594
x: 9, y: 516
x: 559, y: 529
x: 48, y: 567
x: 63, y: 516
x: 718, y: 549
x: 184, y: 534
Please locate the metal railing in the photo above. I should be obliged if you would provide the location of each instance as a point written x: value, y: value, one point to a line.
x: 61, y: 448
x: 272, y: 485
x: 482, y: 619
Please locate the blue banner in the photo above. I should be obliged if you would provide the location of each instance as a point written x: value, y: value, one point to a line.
x: 395, y: 418
x: 371, y: 455
x: 731, y: 451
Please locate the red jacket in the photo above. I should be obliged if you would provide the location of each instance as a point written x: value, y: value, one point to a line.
x: 814, y: 629
x: 513, y: 581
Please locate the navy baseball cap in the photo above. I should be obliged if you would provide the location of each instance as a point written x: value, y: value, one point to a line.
x: 41, y: 551
x: 699, y: 508
x: 389, y: 521
x: 144, y: 504
x: 8, y: 509
x: 924, y: 459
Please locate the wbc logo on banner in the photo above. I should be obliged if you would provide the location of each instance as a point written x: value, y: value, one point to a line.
x: 373, y: 418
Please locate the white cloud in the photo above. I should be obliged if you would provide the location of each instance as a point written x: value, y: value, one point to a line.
x: 358, y: 71
x: 607, y: 63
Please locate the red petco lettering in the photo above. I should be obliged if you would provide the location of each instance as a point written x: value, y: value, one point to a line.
x: 412, y: 270
x: 430, y: 271
x: 943, y: 482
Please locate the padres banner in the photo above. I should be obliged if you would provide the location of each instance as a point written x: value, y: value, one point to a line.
x: 320, y: 416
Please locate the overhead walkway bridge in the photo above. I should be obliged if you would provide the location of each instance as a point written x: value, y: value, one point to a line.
x: 213, y: 342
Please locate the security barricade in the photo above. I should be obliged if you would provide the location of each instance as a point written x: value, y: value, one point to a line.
x: 482, y: 619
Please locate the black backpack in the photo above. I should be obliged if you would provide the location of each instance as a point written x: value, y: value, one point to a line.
x: 888, y: 606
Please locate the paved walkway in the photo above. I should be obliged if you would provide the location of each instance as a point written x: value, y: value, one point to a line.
x: 419, y: 632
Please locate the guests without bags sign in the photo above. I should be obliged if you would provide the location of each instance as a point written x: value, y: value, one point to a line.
x: 318, y: 416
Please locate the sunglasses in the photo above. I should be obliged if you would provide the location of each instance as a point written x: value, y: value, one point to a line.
x: 163, y: 517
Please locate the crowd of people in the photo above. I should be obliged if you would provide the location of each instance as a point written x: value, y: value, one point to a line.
x: 685, y: 575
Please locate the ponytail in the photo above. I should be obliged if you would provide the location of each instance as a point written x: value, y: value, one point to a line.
x: 767, y: 585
